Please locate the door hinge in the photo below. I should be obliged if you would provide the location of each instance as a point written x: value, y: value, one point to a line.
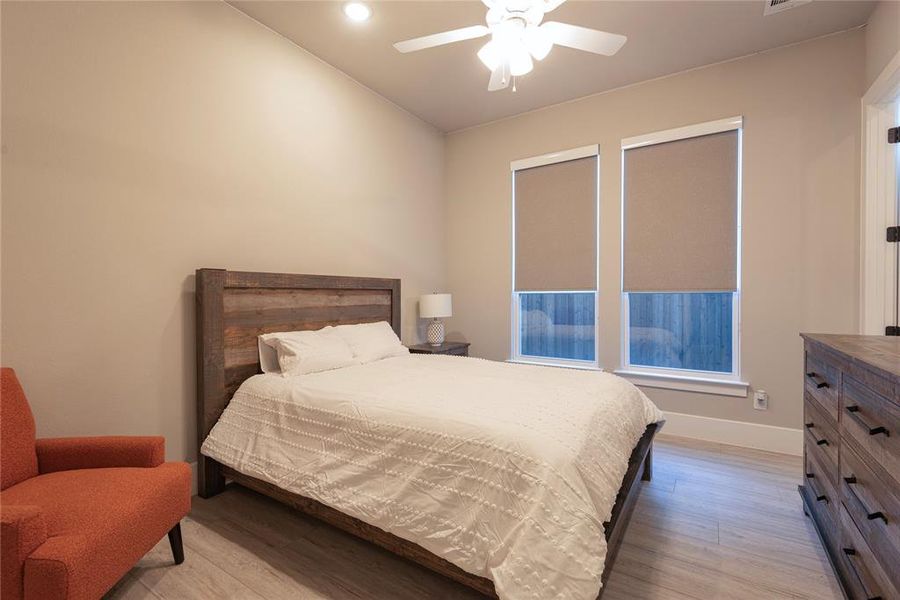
x: 894, y: 135
x: 893, y: 234
x: 892, y: 330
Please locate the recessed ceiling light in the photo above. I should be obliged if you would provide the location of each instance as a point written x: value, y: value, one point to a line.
x: 357, y: 11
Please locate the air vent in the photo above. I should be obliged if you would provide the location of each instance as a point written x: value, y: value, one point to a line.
x: 776, y: 6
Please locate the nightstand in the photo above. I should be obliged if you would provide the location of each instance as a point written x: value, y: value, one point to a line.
x: 455, y: 348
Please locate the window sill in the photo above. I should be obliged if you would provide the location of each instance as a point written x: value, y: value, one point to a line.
x: 703, y: 385
x: 561, y: 365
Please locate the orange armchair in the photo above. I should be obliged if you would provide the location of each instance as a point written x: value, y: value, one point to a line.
x: 77, y: 513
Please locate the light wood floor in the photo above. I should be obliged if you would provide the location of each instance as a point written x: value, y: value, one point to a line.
x: 716, y: 522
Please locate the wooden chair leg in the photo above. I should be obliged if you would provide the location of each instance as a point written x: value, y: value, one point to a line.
x: 175, y: 542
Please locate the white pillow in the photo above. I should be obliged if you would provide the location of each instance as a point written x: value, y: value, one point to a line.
x: 268, y: 356
x: 371, y: 341
x: 303, y: 352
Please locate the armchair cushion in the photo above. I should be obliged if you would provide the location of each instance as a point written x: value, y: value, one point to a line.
x: 64, y: 454
x: 99, y: 523
x: 22, y: 530
x: 16, y: 432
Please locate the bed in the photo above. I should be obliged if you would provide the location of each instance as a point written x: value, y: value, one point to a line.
x: 517, y: 481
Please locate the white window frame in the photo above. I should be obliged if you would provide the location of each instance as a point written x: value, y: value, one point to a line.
x: 713, y: 382
x: 514, y: 352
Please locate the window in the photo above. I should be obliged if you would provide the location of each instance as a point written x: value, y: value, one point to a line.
x: 690, y: 331
x: 554, y: 303
x: 557, y: 325
x: 681, y: 251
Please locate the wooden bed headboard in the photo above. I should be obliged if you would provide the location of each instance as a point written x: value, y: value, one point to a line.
x: 234, y: 307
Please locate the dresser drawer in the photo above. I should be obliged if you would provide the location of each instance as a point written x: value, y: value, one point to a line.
x: 863, y: 576
x: 872, y: 423
x: 822, y: 498
x: 875, y: 509
x: 821, y: 438
x: 821, y: 382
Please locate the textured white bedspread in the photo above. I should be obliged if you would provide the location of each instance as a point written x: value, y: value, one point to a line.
x: 507, y: 471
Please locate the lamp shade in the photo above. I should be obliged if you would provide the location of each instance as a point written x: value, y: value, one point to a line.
x: 434, y: 306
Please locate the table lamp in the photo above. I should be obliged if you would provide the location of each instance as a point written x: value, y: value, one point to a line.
x: 435, y: 306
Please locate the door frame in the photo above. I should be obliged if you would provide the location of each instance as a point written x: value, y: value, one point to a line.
x: 878, y: 200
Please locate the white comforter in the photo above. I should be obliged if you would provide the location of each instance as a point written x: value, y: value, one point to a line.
x: 507, y: 471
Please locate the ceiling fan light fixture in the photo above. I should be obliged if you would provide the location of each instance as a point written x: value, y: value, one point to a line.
x: 494, y: 15
x: 538, y: 42
x: 519, y: 35
x: 520, y: 61
x: 491, y: 55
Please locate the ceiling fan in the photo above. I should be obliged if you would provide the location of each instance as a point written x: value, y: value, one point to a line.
x: 518, y: 35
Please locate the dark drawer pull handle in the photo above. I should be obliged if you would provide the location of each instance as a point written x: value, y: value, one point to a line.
x: 819, y: 384
x: 870, y: 514
x: 850, y: 553
x: 854, y: 412
x: 819, y: 497
x: 823, y: 441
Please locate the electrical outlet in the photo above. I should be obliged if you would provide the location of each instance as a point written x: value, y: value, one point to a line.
x: 761, y: 400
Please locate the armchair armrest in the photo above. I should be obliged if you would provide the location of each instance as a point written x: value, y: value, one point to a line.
x: 22, y: 530
x: 64, y: 454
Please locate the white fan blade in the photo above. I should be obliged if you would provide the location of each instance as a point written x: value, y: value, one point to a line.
x: 439, y: 39
x: 552, y: 5
x: 499, y: 78
x: 582, y: 38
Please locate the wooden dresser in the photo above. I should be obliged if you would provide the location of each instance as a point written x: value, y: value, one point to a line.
x: 851, y: 457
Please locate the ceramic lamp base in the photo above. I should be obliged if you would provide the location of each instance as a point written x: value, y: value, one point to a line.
x: 435, y: 333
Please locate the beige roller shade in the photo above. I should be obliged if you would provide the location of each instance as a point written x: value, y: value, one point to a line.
x: 556, y: 226
x: 681, y: 215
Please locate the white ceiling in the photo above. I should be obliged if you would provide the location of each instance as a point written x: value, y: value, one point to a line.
x: 447, y: 86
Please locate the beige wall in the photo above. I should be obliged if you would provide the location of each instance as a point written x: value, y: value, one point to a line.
x: 142, y: 141
x: 801, y: 184
x: 882, y: 38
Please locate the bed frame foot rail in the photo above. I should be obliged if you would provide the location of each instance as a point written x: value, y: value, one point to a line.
x: 647, y: 474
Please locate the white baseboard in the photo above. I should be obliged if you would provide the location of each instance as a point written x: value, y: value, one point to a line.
x: 736, y: 433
